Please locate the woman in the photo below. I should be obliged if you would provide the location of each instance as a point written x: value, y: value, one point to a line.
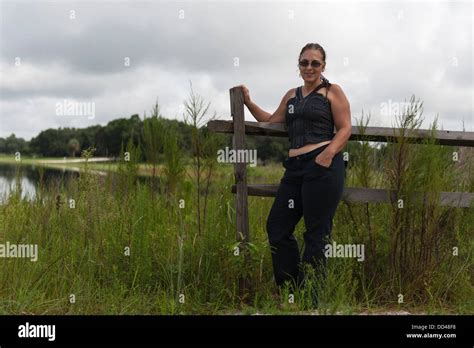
x: 313, y: 182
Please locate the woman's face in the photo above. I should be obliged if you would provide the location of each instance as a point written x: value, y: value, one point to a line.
x: 310, y: 73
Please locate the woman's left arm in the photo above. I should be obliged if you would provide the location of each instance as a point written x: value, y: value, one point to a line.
x: 341, y: 113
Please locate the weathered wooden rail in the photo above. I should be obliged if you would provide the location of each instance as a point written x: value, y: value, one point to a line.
x: 239, y: 128
x: 380, y: 134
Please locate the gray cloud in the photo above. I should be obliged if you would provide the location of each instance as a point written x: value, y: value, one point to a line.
x: 376, y: 52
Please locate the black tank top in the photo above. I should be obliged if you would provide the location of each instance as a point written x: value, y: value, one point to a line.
x: 309, y: 119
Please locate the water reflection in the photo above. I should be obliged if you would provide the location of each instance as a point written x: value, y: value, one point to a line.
x: 29, y: 177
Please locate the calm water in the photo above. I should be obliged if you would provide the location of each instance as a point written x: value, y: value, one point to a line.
x: 29, y: 179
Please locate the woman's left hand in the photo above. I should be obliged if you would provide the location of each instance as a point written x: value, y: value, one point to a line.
x: 324, y: 159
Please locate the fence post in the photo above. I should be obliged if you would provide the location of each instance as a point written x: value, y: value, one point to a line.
x: 240, y: 174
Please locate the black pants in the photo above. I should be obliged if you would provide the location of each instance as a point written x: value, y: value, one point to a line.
x: 310, y: 190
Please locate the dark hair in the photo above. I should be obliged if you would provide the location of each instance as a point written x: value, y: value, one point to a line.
x: 313, y: 46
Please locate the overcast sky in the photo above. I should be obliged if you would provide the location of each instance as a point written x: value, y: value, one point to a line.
x: 380, y: 53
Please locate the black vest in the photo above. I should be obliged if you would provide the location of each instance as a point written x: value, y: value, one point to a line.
x: 309, y: 120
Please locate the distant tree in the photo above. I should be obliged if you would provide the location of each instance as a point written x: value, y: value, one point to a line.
x: 12, y: 144
x: 120, y: 131
x: 73, y: 146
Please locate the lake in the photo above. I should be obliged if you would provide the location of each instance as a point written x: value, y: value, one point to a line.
x: 29, y: 178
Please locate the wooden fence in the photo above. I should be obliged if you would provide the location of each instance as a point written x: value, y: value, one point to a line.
x: 239, y: 128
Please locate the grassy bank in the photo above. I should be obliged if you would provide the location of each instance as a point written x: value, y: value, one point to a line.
x: 128, y: 246
x: 173, y: 268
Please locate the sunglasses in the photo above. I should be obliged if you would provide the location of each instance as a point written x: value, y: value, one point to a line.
x: 315, y: 63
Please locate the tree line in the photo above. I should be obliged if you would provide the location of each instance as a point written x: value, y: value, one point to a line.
x: 109, y: 139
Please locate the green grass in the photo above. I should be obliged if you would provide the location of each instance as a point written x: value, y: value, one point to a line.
x: 409, y: 248
x: 10, y: 159
x: 144, y: 169
x: 81, y: 252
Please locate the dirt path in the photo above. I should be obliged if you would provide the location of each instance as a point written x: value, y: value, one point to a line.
x: 77, y: 160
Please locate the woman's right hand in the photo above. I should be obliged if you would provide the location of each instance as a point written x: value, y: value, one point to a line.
x: 246, y: 93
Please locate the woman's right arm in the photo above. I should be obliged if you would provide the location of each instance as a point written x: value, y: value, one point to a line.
x: 261, y: 115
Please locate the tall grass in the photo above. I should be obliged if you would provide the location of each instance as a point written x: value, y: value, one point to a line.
x: 411, y: 244
x: 122, y: 250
